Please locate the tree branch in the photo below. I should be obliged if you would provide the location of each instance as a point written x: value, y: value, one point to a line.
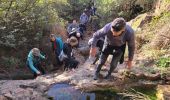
x: 27, y: 6
x: 8, y: 8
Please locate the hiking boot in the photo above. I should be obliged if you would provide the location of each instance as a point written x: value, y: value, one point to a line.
x: 96, y: 76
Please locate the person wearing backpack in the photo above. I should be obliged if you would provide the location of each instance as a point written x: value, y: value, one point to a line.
x: 34, y: 62
x: 67, y: 54
x: 57, y: 46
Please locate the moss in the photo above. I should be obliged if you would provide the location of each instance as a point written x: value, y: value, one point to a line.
x: 138, y: 21
x: 167, y: 1
x: 159, y: 20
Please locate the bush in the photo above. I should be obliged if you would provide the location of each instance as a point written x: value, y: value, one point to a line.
x: 163, y: 62
x: 11, y: 62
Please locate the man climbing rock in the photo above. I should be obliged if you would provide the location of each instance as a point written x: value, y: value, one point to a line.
x: 34, y: 62
x: 57, y: 46
x: 67, y: 54
x: 117, y: 34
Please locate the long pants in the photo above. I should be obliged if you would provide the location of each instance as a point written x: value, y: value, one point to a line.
x: 57, y: 58
x: 39, y: 68
x: 116, y: 52
x: 70, y: 63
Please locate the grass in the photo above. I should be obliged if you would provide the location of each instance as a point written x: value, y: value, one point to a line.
x: 150, y: 93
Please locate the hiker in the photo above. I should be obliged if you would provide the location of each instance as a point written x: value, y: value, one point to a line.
x: 74, y: 30
x: 99, y: 45
x: 57, y: 46
x: 93, y: 10
x: 84, y: 18
x: 74, y: 24
x: 76, y: 33
x: 87, y: 12
x: 67, y: 54
x: 83, y: 21
x: 34, y: 62
x: 117, y: 33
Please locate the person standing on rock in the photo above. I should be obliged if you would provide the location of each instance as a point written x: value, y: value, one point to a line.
x: 34, y: 62
x: 57, y: 46
x: 83, y: 21
x: 117, y: 34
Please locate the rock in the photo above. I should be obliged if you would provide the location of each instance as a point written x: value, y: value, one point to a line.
x: 84, y: 50
x: 9, y: 96
x: 163, y: 92
x: 140, y: 20
x: 3, y: 97
x: 153, y: 77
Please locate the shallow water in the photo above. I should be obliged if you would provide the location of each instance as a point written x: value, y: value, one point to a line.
x: 64, y: 91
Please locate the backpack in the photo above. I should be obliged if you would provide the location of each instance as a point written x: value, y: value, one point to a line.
x: 62, y: 56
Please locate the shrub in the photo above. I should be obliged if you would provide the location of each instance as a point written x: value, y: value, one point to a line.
x: 11, y: 62
x: 163, y: 62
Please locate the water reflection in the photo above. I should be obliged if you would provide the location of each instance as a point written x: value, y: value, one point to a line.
x: 67, y: 92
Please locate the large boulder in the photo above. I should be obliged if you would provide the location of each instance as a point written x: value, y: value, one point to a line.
x: 140, y: 20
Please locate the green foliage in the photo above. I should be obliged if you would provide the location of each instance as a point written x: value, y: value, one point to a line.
x: 20, y: 20
x: 156, y: 45
x: 150, y: 93
x: 161, y: 19
x: 11, y: 62
x: 163, y: 62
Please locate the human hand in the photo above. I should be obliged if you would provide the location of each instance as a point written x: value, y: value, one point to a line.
x: 129, y: 64
x: 38, y: 73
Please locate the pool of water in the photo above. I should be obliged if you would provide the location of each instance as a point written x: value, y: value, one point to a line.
x: 64, y: 91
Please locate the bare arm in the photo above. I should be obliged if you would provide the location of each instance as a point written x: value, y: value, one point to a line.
x: 100, y: 33
x: 93, y: 51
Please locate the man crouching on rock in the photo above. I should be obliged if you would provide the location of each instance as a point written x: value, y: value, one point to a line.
x: 117, y: 34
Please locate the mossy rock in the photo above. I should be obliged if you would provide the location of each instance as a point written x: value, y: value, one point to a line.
x: 140, y: 21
